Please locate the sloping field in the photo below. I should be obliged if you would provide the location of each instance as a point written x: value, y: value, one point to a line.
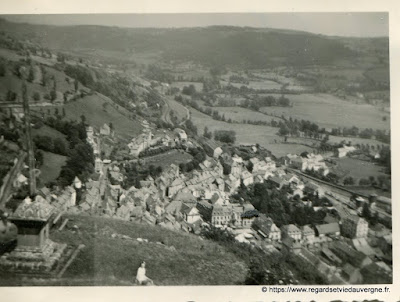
x: 92, y: 107
x: 48, y: 131
x: 331, y: 112
x: 180, y: 111
x: 181, y: 259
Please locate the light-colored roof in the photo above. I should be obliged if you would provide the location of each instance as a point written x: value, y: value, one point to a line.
x: 307, y: 230
x: 291, y: 228
x: 328, y: 228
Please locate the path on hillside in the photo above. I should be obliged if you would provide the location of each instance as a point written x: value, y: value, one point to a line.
x: 166, y: 111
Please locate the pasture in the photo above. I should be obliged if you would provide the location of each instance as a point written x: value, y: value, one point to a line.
x: 354, y: 140
x: 331, y: 112
x: 179, y: 110
x: 248, y: 134
x: 96, y: 115
x: 358, y: 168
x: 239, y: 114
x: 255, y: 84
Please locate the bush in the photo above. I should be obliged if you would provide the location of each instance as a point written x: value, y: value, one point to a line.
x: 53, y: 95
x: 36, y: 96
x: 2, y: 70
x: 225, y: 136
x: 11, y: 96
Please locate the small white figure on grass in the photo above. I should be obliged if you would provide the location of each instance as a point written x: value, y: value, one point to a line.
x: 141, y: 277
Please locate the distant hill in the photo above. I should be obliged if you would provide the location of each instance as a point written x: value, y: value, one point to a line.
x: 215, y: 45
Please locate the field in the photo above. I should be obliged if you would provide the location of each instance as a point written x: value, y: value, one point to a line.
x: 281, y: 149
x: 248, y: 134
x: 358, y: 168
x: 180, y: 111
x: 51, y: 167
x: 180, y: 85
x: 355, y: 140
x: 239, y: 114
x: 92, y: 107
x: 292, y: 83
x: 256, y: 85
x: 166, y: 159
x: 48, y: 131
x: 379, y: 74
x: 331, y: 112
x: 14, y: 83
x: 182, y: 259
x: 10, y: 54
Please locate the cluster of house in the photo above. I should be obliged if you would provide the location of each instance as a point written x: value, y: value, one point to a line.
x: 147, y: 139
x: 94, y: 140
x: 310, y: 162
x: 201, y: 197
x: 338, y: 251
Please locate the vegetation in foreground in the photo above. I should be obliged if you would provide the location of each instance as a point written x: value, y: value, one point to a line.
x: 177, y: 258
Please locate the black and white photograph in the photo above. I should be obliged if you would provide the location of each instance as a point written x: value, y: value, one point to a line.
x: 186, y: 149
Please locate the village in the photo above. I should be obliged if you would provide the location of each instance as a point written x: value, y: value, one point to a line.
x: 339, y: 248
x: 110, y: 160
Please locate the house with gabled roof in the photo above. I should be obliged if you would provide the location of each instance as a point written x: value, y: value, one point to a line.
x: 291, y: 231
x: 247, y: 178
x: 174, y: 207
x: 221, y: 214
x: 354, y: 226
x: 347, y: 254
x: 312, y: 188
x: 329, y: 229
x: 351, y: 274
x: 266, y: 227
x: 307, y: 234
x: 190, y: 213
x: 278, y: 182
x: 291, y: 245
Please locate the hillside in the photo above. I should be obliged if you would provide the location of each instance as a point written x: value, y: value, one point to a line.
x: 221, y: 45
x: 107, y: 259
x: 97, y: 114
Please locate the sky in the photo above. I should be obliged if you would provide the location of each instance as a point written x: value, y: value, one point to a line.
x: 369, y: 24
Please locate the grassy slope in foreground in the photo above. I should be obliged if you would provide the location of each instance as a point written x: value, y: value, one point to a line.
x: 114, y: 261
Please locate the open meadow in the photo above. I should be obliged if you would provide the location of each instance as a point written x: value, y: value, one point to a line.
x: 239, y: 114
x: 248, y: 134
x: 331, y: 112
x: 180, y: 111
x: 358, y: 168
x: 355, y: 140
